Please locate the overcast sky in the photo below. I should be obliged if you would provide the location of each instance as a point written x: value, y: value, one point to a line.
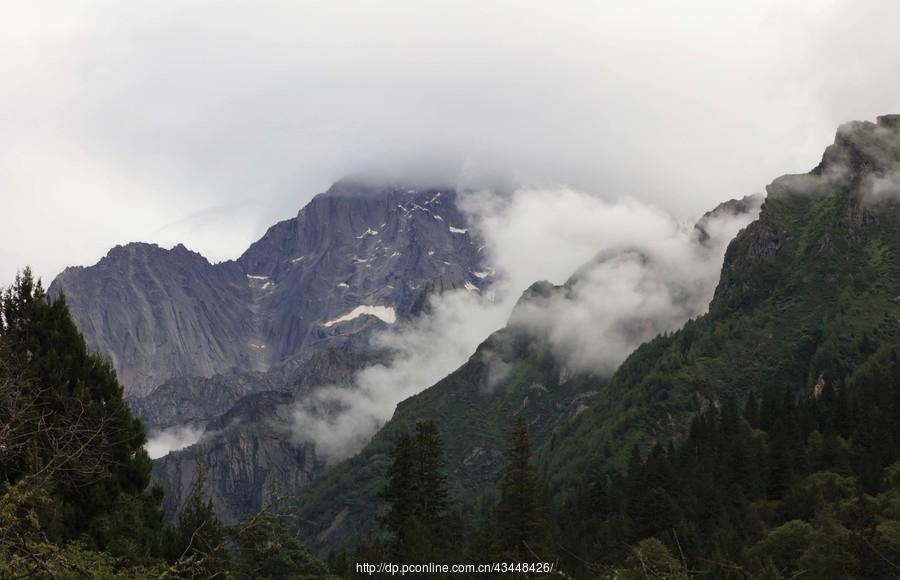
x: 203, y: 122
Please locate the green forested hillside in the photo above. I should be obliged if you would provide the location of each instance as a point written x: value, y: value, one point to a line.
x: 474, y: 415
x: 808, y: 292
x: 788, y: 485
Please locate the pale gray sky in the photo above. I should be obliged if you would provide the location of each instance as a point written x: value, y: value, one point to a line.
x: 203, y: 122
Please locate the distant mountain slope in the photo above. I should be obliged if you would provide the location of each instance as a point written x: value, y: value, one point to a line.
x: 354, y: 259
x: 807, y: 293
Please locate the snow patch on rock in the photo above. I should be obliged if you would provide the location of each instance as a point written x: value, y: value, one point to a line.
x: 384, y: 313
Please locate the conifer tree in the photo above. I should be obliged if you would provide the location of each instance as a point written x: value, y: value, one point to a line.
x: 399, y: 492
x: 88, y: 447
x: 519, y: 529
x: 430, y: 478
x: 431, y: 485
x: 199, y: 535
x: 416, y: 490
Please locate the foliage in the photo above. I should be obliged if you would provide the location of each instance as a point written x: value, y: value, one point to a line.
x: 68, y: 436
x: 794, y: 485
x: 416, y: 496
x: 817, y: 302
x: 518, y: 519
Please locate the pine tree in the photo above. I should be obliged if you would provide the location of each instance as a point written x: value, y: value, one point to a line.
x: 431, y: 481
x: 262, y: 547
x: 431, y: 485
x: 199, y: 535
x: 519, y: 522
x: 88, y: 447
x: 399, y: 492
x: 416, y: 490
x: 780, y: 464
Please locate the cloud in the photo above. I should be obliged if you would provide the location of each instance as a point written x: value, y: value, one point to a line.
x: 652, y: 275
x: 119, y: 119
x: 880, y: 188
x: 340, y: 419
x: 161, y: 443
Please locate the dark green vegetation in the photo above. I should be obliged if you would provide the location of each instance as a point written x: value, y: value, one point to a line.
x: 787, y: 485
x: 74, y: 477
x: 418, y: 525
x: 809, y: 299
x: 416, y: 494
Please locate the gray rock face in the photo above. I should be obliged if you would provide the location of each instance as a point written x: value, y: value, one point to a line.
x: 226, y: 347
x: 246, y: 446
x: 197, y: 401
x: 248, y: 457
x: 353, y: 260
x: 159, y: 314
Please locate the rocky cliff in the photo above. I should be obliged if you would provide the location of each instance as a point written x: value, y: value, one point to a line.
x: 356, y: 258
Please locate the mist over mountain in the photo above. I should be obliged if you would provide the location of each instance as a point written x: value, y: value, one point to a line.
x: 371, y: 294
x: 638, y: 325
x: 558, y: 343
x: 328, y: 290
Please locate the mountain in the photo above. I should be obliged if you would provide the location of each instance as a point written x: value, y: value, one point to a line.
x: 220, y: 348
x: 517, y: 371
x: 759, y: 440
x: 356, y: 258
x: 807, y: 293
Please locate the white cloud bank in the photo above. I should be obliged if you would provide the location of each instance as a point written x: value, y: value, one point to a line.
x: 203, y: 122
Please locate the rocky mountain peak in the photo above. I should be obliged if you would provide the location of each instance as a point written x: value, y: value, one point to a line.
x: 812, y: 222
x: 355, y: 259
